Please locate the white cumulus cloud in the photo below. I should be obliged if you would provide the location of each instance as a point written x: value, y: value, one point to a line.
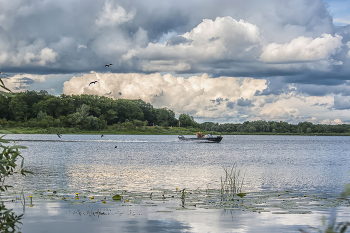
x: 200, y: 96
x: 112, y: 15
x: 34, y: 54
x: 21, y: 82
x: 302, y: 49
x: 223, y: 38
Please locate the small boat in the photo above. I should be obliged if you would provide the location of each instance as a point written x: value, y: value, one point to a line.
x: 205, y: 138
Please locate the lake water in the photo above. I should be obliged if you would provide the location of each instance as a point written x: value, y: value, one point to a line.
x: 139, y: 163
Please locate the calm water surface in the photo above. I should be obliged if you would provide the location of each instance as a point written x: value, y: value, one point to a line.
x: 272, y: 163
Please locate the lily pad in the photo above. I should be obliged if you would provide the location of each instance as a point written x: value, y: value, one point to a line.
x: 76, y: 203
x: 117, y: 197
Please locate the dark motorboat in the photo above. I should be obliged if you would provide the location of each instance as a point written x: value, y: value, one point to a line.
x: 205, y: 138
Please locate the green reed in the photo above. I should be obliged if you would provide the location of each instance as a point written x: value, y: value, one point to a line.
x: 232, y: 183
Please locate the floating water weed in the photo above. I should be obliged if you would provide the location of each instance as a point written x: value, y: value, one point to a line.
x: 117, y: 197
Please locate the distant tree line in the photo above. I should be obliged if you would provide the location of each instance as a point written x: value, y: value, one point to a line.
x: 91, y: 112
x: 275, y: 127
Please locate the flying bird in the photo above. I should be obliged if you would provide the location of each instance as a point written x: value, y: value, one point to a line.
x: 101, y: 135
x: 115, y: 146
x: 59, y: 135
x: 108, y: 65
x: 92, y: 82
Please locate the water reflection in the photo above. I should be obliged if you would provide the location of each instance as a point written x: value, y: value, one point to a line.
x: 60, y: 217
x: 141, y: 163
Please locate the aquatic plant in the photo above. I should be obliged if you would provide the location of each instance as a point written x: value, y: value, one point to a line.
x: 332, y: 227
x: 8, y: 158
x: 183, y: 196
x: 117, y: 197
x: 232, y: 184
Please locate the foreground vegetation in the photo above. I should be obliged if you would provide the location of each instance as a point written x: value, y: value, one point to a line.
x: 9, y: 156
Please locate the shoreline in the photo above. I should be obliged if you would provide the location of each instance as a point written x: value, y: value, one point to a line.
x: 154, y: 131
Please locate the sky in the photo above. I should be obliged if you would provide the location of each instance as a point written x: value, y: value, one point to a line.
x: 225, y: 61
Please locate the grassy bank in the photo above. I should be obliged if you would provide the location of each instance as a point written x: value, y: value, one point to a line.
x: 148, y: 130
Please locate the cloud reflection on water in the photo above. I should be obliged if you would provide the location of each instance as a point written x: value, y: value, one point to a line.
x: 137, y: 218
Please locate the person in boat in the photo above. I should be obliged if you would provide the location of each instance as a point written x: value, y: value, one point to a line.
x: 199, y: 135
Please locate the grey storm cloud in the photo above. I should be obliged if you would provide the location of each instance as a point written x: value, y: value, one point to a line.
x: 176, y: 40
x: 79, y: 36
x: 244, y: 102
x: 218, y: 101
x: 26, y: 80
x: 230, y: 104
x: 322, y: 90
x: 341, y: 102
x: 275, y: 86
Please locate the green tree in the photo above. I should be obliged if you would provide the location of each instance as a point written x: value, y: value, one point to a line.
x: 18, y: 108
x: 165, y: 117
x: 138, y: 123
x: 80, y: 115
x: 148, y: 111
x: 92, y: 123
x: 128, y: 110
x: 76, y: 118
x: 41, y: 115
x: 128, y: 125
x: 187, y: 121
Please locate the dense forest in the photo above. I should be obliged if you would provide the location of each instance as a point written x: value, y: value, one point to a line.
x: 91, y: 112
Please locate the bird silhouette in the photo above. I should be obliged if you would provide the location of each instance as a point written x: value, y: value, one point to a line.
x: 108, y: 65
x: 115, y: 146
x: 101, y: 135
x: 92, y: 82
x: 59, y: 135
